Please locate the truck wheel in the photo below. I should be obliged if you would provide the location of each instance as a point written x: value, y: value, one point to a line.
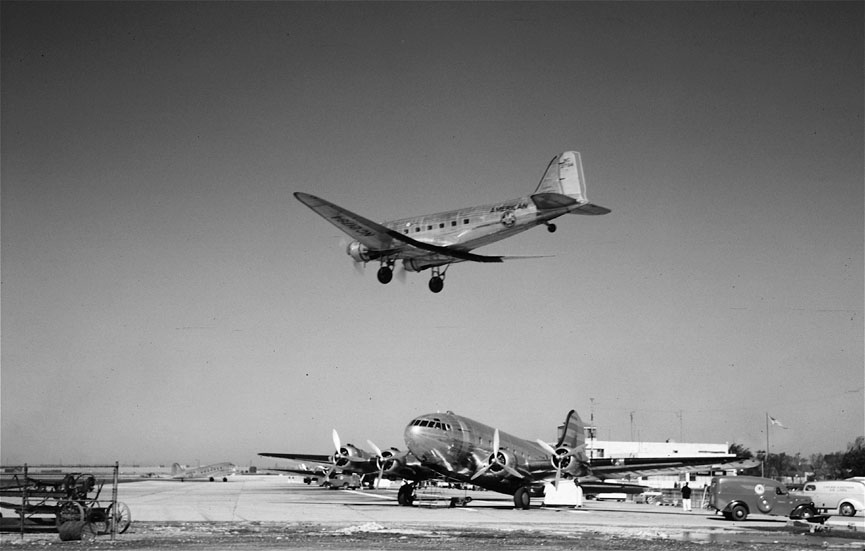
x: 739, y: 512
x: 804, y: 512
x: 847, y: 510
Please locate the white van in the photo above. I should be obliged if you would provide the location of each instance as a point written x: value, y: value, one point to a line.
x: 844, y: 497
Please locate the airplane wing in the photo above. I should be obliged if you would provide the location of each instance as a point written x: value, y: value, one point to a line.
x: 636, y: 467
x: 411, y: 469
x: 299, y: 457
x: 372, y: 234
x: 382, y: 239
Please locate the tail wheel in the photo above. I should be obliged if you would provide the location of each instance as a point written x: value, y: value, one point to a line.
x: 551, y: 228
x: 522, y: 499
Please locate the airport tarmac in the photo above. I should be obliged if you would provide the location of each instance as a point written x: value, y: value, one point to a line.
x: 268, y: 512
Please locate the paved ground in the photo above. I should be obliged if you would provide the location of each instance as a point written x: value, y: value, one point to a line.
x: 266, y: 512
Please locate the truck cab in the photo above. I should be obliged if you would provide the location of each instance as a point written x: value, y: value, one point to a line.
x: 738, y: 496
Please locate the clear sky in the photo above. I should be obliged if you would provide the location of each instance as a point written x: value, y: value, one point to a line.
x: 165, y: 298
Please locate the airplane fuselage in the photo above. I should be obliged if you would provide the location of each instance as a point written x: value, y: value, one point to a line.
x: 473, y: 227
x: 456, y: 447
x: 208, y: 471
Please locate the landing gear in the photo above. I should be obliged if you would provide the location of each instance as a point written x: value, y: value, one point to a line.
x: 436, y: 284
x: 437, y: 281
x: 405, y: 496
x: 522, y: 499
x: 551, y: 227
x: 385, y: 273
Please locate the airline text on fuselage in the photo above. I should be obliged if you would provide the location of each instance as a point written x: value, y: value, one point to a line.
x: 522, y: 204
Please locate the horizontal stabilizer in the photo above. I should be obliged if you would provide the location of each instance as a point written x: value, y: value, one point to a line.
x: 548, y: 201
x: 589, y: 208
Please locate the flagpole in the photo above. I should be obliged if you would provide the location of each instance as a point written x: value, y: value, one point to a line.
x: 767, y: 445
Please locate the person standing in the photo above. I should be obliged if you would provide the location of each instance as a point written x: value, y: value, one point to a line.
x: 686, y: 498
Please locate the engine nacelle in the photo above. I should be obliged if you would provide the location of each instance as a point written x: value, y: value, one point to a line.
x: 497, y: 463
x: 568, y: 463
x: 416, y: 265
x: 391, y: 460
x: 358, y: 251
x: 343, y: 457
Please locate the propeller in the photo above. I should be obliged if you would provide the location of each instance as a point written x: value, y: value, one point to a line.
x: 558, y: 459
x: 497, y: 459
x: 386, y: 459
x: 379, y: 459
x: 400, y: 273
x: 359, y: 267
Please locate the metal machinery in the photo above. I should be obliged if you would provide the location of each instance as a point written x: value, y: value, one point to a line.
x: 52, y: 500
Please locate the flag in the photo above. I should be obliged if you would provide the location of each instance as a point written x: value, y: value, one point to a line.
x: 776, y: 422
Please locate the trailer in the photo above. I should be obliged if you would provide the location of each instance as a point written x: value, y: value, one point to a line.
x: 70, y: 503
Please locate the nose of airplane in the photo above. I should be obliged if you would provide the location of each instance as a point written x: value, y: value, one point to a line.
x: 421, y: 435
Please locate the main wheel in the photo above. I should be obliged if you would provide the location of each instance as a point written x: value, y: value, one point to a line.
x: 522, y: 499
x: 739, y: 512
x: 847, y: 510
x: 405, y: 496
x: 385, y: 274
x: 436, y: 284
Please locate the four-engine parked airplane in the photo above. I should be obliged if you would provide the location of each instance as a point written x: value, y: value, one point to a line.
x: 210, y: 472
x: 447, y: 446
x: 435, y: 241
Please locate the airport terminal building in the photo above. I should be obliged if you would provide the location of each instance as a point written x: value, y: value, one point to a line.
x: 610, y: 449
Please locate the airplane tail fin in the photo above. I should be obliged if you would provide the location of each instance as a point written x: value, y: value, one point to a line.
x: 176, y: 469
x: 564, y: 185
x: 564, y: 175
x: 572, y: 432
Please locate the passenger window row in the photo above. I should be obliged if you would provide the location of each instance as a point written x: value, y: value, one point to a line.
x: 418, y: 227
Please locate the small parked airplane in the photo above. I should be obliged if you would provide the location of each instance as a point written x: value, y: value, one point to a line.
x: 435, y: 241
x: 211, y: 472
x: 447, y: 446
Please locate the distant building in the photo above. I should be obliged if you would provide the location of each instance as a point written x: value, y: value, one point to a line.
x: 597, y: 449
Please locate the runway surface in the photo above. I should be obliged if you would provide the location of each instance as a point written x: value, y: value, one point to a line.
x: 265, y: 512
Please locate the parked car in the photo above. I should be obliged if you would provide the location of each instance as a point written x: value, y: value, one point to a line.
x: 843, y: 497
x: 342, y: 481
x: 738, y: 496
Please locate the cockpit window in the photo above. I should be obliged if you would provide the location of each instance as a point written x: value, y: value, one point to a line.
x: 431, y: 424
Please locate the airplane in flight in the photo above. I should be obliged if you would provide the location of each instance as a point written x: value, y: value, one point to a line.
x: 453, y: 448
x: 435, y: 241
x: 211, y: 472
